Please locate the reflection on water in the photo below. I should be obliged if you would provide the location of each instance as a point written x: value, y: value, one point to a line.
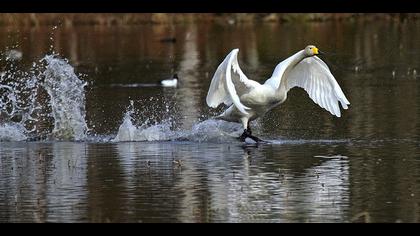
x: 205, y: 182
x: 360, y: 167
x: 43, y: 182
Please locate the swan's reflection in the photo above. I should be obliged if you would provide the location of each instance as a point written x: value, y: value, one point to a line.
x: 226, y: 183
x: 320, y: 193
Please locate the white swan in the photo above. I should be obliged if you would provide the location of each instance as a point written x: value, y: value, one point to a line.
x: 248, y: 99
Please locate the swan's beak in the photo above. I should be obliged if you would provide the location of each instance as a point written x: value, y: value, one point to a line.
x: 321, y: 52
x: 315, y: 51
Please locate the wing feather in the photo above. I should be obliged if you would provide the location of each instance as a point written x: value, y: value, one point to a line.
x: 229, y: 83
x: 314, y: 76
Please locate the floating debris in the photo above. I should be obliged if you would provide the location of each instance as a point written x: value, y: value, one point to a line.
x: 362, y: 215
x: 177, y: 162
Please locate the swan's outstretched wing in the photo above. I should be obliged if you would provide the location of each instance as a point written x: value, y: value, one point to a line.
x: 227, y: 87
x: 313, y: 75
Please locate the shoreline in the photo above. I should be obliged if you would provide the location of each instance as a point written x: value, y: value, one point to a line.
x: 110, y: 19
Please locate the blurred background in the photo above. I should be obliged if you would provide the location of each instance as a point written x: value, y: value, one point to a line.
x: 363, y: 166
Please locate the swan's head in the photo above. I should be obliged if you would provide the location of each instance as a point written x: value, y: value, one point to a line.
x: 311, y: 50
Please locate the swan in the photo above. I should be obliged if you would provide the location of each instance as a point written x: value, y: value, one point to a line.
x: 172, y: 82
x: 248, y: 99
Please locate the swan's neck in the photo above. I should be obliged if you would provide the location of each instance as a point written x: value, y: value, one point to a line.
x: 288, y: 65
x: 294, y: 60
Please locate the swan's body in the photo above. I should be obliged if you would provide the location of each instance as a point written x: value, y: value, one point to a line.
x: 248, y: 99
x: 172, y: 82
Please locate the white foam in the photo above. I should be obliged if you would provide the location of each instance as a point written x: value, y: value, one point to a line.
x: 214, y: 131
x: 129, y: 132
x: 206, y: 131
x: 12, y: 132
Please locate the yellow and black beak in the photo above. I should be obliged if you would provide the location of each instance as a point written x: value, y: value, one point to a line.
x: 316, y: 51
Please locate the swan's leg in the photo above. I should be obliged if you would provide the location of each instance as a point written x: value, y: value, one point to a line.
x: 249, y: 128
x: 245, y: 122
x: 243, y: 136
x: 255, y: 138
x: 247, y: 131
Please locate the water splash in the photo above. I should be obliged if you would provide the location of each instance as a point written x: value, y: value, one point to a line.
x: 18, y: 106
x: 13, y: 55
x: 128, y: 131
x: 12, y: 132
x: 49, y: 102
x: 48, y: 95
x: 211, y: 130
x: 206, y: 131
x: 67, y: 99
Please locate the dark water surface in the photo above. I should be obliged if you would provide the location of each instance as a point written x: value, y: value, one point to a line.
x: 362, y: 167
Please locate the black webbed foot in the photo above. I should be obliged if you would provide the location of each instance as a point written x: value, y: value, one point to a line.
x: 244, y: 135
x: 247, y: 134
